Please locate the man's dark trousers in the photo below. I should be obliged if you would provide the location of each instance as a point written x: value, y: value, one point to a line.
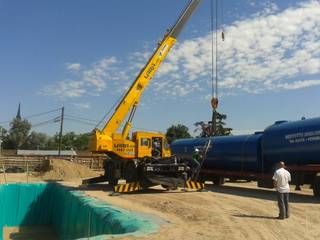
x: 283, y: 204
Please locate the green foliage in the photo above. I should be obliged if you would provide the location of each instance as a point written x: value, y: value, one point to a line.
x: 36, y: 141
x: 75, y: 141
x: 3, y: 133
x: 18, y: 133
x: 18, y: 137
x: 177, y: 131
x: 69, y: 141
x: 205, y: 128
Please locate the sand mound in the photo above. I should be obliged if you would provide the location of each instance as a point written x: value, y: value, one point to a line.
x: 60, y: 169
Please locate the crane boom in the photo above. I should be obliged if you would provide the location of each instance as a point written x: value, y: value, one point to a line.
x: 103, y: 139
x: 131, y: 98
x: 136, y: 159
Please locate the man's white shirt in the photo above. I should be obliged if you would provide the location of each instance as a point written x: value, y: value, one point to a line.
x: 282, y: 177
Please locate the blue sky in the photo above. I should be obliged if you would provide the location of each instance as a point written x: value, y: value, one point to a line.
x: 82, y: 54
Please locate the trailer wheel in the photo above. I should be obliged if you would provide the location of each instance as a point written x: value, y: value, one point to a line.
x: 316, y: 186
x: 130, y: 172
x: 167, y: 187
x: 218, y: 181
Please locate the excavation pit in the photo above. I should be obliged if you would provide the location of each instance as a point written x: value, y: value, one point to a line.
x: 50, y: 210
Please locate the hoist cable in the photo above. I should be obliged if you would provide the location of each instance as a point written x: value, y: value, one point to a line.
x: 212, y: 48
x: 216, y: 83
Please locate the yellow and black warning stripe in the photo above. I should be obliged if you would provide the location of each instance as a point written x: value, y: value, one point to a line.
x: 128, y: 187
x: 194, y: 185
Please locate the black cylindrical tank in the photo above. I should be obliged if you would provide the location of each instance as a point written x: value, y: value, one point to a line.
x: 295, y: 143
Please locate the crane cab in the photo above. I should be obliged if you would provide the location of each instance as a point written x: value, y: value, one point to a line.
x: 151, y: 145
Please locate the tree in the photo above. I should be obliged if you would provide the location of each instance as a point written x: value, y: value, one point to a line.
x: 18, y: 133
x: 69, y: 141
x: 3, y: 132
x: 82, y: 141
x: 36, y: 141
x: 53, y: 142
x: 177, y: 131
x: 3, y: 136
x: 75, y: 141
x: 205, y: 128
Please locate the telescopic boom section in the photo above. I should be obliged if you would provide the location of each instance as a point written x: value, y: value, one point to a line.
x: 131, y: 99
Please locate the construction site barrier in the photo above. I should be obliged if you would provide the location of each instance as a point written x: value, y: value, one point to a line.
x: 40, y: 163
x: 24, y: 163
x: 128, y: 187
x: 194, y: 185
x: 72, y: 214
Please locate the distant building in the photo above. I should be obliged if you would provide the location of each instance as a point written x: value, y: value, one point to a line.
x: 46, y: 152
x: 19, y: 112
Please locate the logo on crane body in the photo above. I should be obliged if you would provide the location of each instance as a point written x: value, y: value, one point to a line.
x: 124, y: 148
x: 150, y: 70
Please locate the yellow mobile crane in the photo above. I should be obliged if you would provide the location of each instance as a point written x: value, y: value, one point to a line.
x: 128, y: 157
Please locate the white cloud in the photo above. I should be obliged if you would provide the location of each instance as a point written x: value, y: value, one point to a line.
x: 93, y: 80
x: 73, y: 67
x: 299, y: 84
x: 266, y: 52
x: 65, y: 89
x: 84, y: 105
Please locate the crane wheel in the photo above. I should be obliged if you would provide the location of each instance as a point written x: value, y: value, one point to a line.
x: 130, y: 172
x: 110, y: 171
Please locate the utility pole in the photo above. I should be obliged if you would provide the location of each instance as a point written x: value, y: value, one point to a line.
x: 1, y: 141
x: 0, y: 148
x: 61, y: 130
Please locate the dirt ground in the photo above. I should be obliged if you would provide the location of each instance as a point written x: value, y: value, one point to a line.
x: 233, y: 211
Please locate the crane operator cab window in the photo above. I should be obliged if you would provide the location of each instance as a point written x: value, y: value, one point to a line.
x: 156, y: 147
x: 145, y: 142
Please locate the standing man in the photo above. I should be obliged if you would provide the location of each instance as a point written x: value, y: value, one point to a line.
x: 281, y: 179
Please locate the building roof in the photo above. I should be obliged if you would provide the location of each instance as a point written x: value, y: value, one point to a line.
x: 46, y: 152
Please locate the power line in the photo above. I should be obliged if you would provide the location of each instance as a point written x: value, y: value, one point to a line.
x: 82, y: 118
x: 53, y: 120
x: 80, y: 121
x: 34, y: 115
x: 43, y: 113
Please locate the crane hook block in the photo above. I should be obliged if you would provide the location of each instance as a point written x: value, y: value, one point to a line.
x: 214, y: 103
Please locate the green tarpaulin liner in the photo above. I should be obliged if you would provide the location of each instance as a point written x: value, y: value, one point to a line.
x: 72, y: 214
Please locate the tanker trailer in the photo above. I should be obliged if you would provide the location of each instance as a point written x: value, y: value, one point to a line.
x: 237, y: 157
x: 297, y: 143
x: 253, y: 157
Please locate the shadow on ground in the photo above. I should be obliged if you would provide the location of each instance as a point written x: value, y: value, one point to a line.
x: 261, y: 194
x: 253, y: 216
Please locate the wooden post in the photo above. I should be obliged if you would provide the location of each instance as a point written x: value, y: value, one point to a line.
x: 4, y: 172
x: 61, y: 130
x: 27, y: 170
x: 91, y: 165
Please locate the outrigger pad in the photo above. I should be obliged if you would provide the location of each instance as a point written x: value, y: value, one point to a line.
x: 194, y: 185
x: 128, y: 187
